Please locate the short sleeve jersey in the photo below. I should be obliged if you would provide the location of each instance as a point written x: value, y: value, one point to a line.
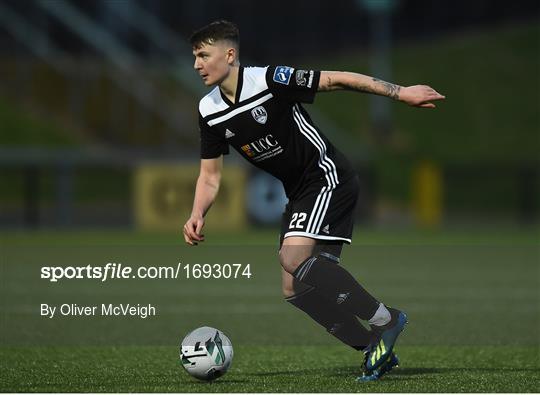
x: 269, y: 127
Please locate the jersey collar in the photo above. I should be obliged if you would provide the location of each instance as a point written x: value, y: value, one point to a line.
x: 239, y: 85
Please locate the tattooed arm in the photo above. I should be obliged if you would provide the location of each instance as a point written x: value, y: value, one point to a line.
x: 417, y: 95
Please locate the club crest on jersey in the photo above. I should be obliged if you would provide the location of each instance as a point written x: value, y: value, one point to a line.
x: 259, y: 114
x: 283, y: 74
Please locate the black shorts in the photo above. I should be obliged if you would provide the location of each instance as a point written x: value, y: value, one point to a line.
x: 321, y: 214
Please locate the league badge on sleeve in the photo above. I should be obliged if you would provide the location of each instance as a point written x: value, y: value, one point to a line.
x: 282, y: 74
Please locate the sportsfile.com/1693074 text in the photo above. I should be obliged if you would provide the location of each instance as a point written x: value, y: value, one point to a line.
x: 119, y: 271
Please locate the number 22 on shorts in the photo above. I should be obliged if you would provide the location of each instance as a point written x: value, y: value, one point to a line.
x: 297, y: 220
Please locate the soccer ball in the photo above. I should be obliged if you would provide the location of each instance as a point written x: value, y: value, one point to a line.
x: 206, y: 353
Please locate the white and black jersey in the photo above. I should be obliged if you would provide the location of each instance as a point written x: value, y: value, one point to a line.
x: 269, y: 127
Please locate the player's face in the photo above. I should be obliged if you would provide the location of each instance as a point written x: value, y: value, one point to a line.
x: 213, y: 62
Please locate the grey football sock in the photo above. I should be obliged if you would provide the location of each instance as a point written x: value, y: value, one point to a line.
x: 381, y: 316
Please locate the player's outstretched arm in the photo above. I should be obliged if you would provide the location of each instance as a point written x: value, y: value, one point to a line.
x: 416, y: 95
x: 205, y: 194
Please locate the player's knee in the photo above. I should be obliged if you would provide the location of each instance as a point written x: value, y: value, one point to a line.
x: 286, y: 263
x: 292, y: 255
x: 289, y: 261
x: 287, y: 290
x: 291, y: 287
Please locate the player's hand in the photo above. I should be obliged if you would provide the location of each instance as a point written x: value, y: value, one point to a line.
x: 192, y: 230
x: 419, y: 96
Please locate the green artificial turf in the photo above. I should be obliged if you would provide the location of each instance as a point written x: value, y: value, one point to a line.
x: 472, y: 300
x: 269, y: 369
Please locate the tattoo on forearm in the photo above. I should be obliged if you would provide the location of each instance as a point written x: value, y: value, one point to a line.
x: 329, y: 82
x: 390, y: 90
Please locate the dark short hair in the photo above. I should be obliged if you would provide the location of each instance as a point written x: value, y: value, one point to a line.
x: 216, y: 31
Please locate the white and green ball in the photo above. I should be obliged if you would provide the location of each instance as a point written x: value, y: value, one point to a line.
x: 206, y: 353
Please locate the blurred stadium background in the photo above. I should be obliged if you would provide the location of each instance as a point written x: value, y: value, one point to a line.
x: 98, y: 120
x: 98, y: 160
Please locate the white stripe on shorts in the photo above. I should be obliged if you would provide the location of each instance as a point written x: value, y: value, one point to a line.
x: 314, y: 236
x: 326, y: 164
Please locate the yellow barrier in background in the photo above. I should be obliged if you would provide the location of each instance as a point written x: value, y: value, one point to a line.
x: 164, y: 197
x: 427, y: 196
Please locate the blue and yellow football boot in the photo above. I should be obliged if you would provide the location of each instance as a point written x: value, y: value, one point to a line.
x: 387, y: 366
x: 385, y: 338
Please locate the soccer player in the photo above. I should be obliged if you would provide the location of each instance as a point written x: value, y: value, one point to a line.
x: 258, y: 112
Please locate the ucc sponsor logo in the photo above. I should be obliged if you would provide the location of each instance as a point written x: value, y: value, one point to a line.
x: 260, y: 146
